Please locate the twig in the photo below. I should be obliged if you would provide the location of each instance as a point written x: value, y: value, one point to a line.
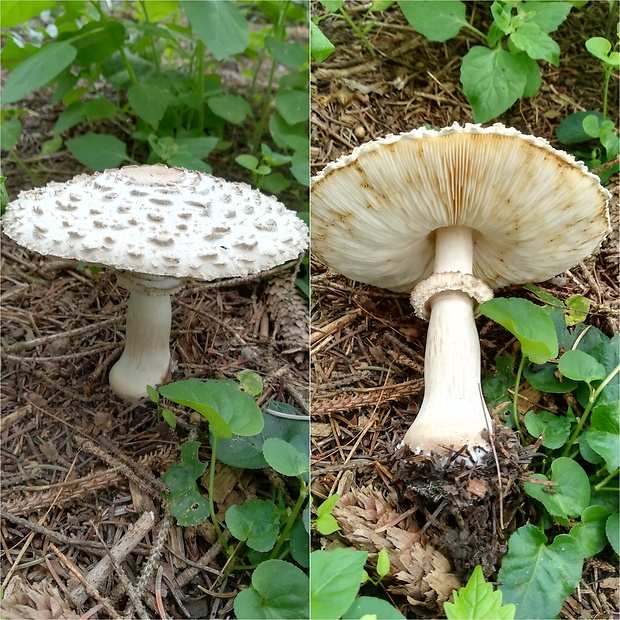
x: 92, y: 591
x: 119, y: 552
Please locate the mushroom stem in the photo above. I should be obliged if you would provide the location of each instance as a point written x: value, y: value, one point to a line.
x: 146, y: 357
x: 453, y: 413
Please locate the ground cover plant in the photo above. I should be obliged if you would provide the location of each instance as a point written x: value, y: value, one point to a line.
x: 368, y: 351
x: 267, y: 530
x: 87, y: 465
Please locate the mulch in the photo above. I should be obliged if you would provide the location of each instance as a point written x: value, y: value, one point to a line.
x: 367, y: 347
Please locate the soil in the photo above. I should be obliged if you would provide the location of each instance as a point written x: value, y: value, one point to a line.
x: 367, y: 347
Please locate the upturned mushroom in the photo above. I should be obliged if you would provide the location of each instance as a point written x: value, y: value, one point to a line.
x: 449, y: 216
x: 158, y: 227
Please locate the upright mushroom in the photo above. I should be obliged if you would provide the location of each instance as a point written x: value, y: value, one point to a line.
x: 157, y: 226
x: 450, y: 215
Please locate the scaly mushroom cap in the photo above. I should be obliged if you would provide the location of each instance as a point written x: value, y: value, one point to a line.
x: 534, y: 211
x: 160, y: 221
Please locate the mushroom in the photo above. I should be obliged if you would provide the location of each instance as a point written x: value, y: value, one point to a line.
x: 158, y: 227
x: 449, y: 216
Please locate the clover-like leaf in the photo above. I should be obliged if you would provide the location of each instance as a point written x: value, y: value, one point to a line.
x: 187, y: 504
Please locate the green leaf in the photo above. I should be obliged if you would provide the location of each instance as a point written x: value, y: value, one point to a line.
x: 543, y: 378
x: 335, y: 579
x: 537, y: 577
x: 578, y: 307
x: 533, y: 79
x: 555, y: 428
x: 383, y: 563
x: 332, y: 5
x: 601, y: 48
x: 372, y: 607
x: 219, y: 25
x: 590, y: 533
x: 99, y: 108
x: 256, y: 522
x: 246, y: 452
x: 279, y: 590
x: 287, y: 136
x: 293, y: 105
x: 326, y: 524
x: 250, y: 382
x: 437, y: 21
x: 292, y: 55
x: 152, y: 393
x: 285, y: 458
x: 149, y: 100
x: 328, y: 505
x: 37, y: 71
x: 227, y: 408
x: 186, y: 502
x: 380, y: 5
x: 15, y: 12
x: 612, y: 529
x: 580, y: 366
x: 570, y: 130
x: 231, y: 108
x: 97, y: 41
x: 10, y: 131
x: 535, y: 43
x: 320, y: 46
x: 300, y: 544
x: 570, y: 497
x: 168, y: 417
x: 98, y: 151
x: 602, y: 434
x: 492, y: 80
x: 528, y: 322
x: 478, y: 601
x: 545, y: 14
x: 502, y: 17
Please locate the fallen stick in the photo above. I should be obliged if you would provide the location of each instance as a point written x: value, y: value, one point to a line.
x: 119, y: 552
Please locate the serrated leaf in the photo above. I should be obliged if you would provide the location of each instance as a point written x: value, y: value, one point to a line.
x: 492, y: 81
x: 437, y: 21
x: 219, y: 25
x: 256, y: 522
x: 528, y: 322
x: 186, y: 502
x: 536, y: 44
x: 571, y: 495
x: 231, y: 108
x: 98, y: 151
x: 536, y: 577
x: 37, y: 71
x: 478, y: 601
x: 546, y: 15
x: 149, y: 101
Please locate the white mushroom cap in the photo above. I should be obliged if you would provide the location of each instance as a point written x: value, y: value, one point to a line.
x: 160, y: 221
x: 534, y: 211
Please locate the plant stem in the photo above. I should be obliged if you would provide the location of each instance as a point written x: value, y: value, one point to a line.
x: 515, y: 399
x: 214, y: 520
x: 303, y: 493
x: 358, y: 32
x: 604, y: 481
